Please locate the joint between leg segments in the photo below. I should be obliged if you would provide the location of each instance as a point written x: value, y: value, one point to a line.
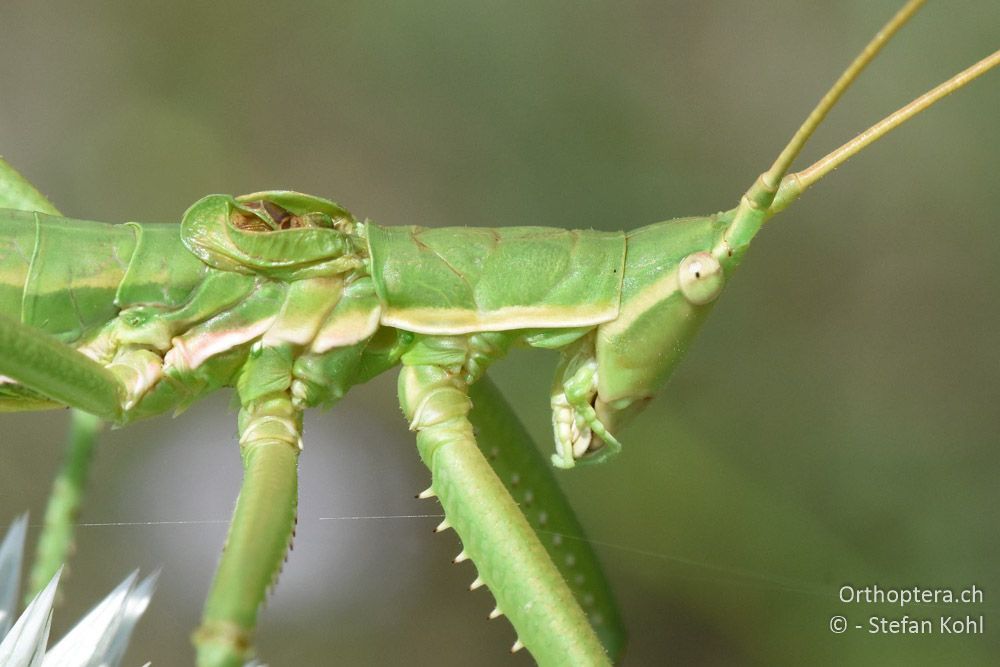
x: 223, y: 638
x: 270, y: 427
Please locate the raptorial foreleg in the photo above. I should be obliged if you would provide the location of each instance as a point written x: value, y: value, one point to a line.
x: 511, y: 561
x: 531, y: 482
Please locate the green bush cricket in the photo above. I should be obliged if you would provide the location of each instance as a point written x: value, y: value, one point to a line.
x: 565, y: 458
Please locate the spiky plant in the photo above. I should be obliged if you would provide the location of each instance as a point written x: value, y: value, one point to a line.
x: 99, y: 639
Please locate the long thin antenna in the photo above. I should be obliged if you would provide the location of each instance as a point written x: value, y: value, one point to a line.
x: 781, y: 165
x: 755, y: 205
x: 795, y: 184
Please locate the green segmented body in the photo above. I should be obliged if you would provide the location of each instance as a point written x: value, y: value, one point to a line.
x: 208, y: 315
x: 331, y: 302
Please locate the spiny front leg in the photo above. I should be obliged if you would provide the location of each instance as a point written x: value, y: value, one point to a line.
x: 526, y: 474
x: 511, y: 561
x: 263, y: 523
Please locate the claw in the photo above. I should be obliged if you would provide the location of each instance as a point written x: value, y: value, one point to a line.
x: 580, y: 434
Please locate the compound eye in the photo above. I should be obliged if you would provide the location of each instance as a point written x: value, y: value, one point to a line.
x: 701, y: 278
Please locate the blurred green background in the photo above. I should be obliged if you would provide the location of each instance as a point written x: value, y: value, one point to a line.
x: 835, y: 423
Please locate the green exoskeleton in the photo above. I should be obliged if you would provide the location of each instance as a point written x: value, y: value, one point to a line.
x: 292, y: 301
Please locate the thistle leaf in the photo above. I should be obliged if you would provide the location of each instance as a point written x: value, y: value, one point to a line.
x: 98, y: 640
x: 10, y: 571
x: 24, y: 645
x: 134, y: 608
